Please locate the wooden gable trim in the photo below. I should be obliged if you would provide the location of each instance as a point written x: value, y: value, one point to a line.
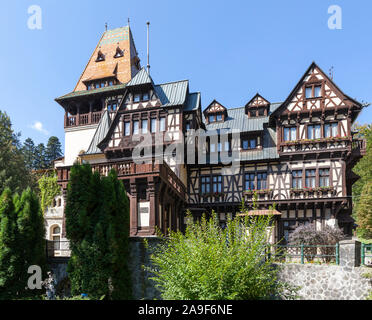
x: 313, y: 80
x: 212, y: 109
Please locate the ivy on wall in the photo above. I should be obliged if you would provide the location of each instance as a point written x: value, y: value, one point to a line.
x: 49, y: 189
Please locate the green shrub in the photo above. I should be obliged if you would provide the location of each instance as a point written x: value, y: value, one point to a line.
x: 208, y: 262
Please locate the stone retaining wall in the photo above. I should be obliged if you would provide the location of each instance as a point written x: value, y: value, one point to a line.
x: 327, y: 282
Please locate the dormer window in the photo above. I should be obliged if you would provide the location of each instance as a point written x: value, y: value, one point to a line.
x: 100, y: 56
x: 119, y: 53
x: 215, y: 112
x: 258, y: 106
x: 145, y: 97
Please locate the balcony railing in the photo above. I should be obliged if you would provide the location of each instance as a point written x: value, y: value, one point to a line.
x: 56, y: 249
x: 128, y: 169
x: 83, y: 119
x: 323, y: 144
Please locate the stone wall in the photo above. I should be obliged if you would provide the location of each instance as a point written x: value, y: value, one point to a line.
x: 143, y: 287
x: 327, y: 282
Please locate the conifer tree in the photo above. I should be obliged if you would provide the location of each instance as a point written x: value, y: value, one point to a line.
x: 31, y: 230
x: 97, y: 224
x: 9, y: 248
x: 53, y: 150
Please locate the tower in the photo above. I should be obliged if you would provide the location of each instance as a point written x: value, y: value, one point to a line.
x: 113, y: 63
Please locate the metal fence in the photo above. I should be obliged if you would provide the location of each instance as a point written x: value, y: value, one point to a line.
x: 366, y: 254
x: 58, y: 249
x: 305, y: 253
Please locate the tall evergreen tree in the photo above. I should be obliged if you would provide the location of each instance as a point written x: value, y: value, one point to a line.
x: 364, y: 213
x: 9, y: 247
x: 40, y: 157
x: 13, y: 170
x: 28, y: 150
x: 97, y: 224
x: 30, y: 222
x: 53, y: 150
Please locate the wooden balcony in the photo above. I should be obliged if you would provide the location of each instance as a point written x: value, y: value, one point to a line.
x: 126, y: 170
x: 332, y: 144
x: 82, y: 119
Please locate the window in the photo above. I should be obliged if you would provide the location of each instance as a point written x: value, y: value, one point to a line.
x: 323, y: 177
x: 135, y: 127
x: 211, y: 118
x: 112, y: 106
x: 205, y: 184
x: 331, y: 130
x: 162, y: 124
x: 188, y: 125
x: 111, y: 83
x: 56, y: 237
x: 313, y: 91
x: 313, y: 132
x: 297, y: 179
x: 310, y: 178
x: 137, y: 98
x: 145, y: 97
x: 127, y: 128
x: 217, y: 183
x: 97, y: 85
x: 261, y: 181
x: 153, y: 125
x: 219, y: 117
x: 144, y: 126
x: 249, y: 143
x: 261, y: 112
x: 317, y: 91
x: 250, y: 181
x: 290, y: 134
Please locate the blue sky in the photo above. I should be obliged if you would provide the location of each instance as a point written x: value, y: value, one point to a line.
x: 229, y: 50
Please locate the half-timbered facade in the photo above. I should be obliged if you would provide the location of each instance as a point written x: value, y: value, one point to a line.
x: 297, y: 154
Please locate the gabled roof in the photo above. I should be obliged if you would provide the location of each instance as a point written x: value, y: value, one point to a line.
x: 257, y: 100
x: 142, y: 77
x: 101, y: 132
x: 299, y: 83
x: 219, y: 107
x: 172, y: 93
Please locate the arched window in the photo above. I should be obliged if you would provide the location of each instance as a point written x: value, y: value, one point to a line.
x: 59, y: 202
x: 56, y: 237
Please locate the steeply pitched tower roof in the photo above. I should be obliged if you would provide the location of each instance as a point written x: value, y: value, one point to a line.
x: 105, y: 62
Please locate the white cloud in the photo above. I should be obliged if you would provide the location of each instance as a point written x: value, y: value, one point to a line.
x: 38, y: 126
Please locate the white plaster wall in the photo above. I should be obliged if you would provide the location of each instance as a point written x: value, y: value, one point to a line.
x: 76, y: 141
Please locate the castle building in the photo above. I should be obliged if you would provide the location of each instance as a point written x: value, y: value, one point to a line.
x: 297, y: 154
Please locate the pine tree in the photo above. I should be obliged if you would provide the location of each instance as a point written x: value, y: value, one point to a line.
x: 53, y: 150
x: 40, y: 158
x: 28, y: 151
x: 9, y: 248
x: 30, y: 222
x: 364, y: 212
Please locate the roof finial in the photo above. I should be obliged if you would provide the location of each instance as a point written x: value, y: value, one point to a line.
x: 128, y: 22
x: 148, y: 54
x: 331, y: 72
x: 106, y: 26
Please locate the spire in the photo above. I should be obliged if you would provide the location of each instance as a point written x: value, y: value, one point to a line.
x: 148, y: 48
x: 118, y: 68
